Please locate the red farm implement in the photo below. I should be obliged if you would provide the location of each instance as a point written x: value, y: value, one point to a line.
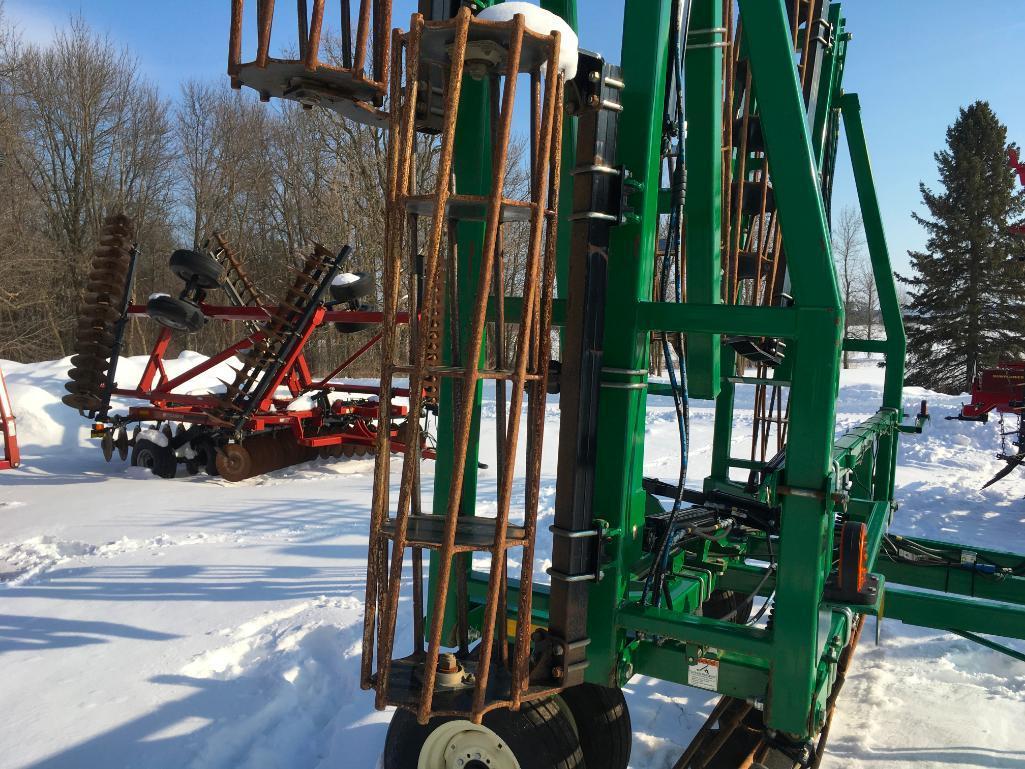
x: 11, y: 457
x: 1001, y: 390
x: 274, y: 412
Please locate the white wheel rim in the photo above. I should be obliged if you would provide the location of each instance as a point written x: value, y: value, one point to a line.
x: 465, y: 745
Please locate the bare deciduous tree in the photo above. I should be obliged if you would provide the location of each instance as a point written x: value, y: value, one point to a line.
x: 848, y: 246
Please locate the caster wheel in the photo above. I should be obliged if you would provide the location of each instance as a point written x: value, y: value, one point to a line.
x: 538, y: 736
x: 176, y: 314
x: 160, y: 460
x: 350, y: 286
x: 602, y: 721
x: 201, y: 269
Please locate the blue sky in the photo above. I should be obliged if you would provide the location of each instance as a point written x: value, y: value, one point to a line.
x: 913, y: 62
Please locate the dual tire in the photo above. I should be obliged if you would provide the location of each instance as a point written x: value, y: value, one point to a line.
x: 586, y: 727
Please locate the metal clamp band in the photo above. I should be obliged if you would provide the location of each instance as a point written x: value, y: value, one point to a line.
x: 625, y: 371
x: 563, y: 577
x: 585, y: 215
x: 570, y: 534
x: 612, y: 171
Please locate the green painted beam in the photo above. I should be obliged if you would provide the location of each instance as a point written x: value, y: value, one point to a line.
x: 740, y: 676
x: 954, y: 580
x: 701, y: 631
x: 947, y: 612
x: 875, y: 236
x: 618, y: 496
x: 703, y: 96
x: 694, y: 317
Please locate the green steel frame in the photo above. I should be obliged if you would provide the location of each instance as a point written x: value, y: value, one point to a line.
x: 790, y: 665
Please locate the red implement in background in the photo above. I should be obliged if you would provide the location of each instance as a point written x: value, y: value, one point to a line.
x: 11, y: 457
x: 1000, y: 389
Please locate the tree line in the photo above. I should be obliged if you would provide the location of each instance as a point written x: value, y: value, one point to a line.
x: 83, y: 135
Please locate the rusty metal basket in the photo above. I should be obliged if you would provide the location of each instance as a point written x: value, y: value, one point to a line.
x: 471, y: 679
x: 355, y: 86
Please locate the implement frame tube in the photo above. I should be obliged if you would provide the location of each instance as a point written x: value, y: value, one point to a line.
x: 805, y: 551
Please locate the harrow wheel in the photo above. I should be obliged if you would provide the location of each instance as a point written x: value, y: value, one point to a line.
x: 175, y: 314
x: 234, y: 462
x: 160, y: 460
x: 201, y: 270
x: 94, y: 337
x: 121, y: 443
x: 537, y: 736
x: 107, y: 446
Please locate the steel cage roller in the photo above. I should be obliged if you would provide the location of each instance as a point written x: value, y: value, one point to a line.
x: 445, y: 675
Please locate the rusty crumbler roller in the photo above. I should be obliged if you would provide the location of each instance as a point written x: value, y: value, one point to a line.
x: 263, y: 368
x: 103, y: 317
x: 354, y: 84
x: 439, y: 678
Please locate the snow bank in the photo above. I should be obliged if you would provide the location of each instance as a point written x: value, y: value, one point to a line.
x: 195, y: 623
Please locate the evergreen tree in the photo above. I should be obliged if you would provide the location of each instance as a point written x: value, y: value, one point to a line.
x: 967, y: 295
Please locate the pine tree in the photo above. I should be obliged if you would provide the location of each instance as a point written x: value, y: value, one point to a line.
x: 967, y: 295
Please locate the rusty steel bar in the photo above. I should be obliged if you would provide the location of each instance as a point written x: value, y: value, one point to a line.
x: 235, y: 38
x: 416, y: 392
x: 465, y: 417
x: 532, y: 274
x: 264, y: 20
x: 379, y: 511
x: 536, y: 409
x: 382, y: 20
x: 362, y: 32
x: 310, y: 60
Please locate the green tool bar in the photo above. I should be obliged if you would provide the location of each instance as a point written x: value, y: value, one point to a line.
x: 514, y: 310
x: 1014, y: 653
x: 740, y: 676
x: 478, y: 589
x: 851, y: 446
x: 866, y: 345
x: 958, y: 615
x: 703, y: 103
x: 718, y: 318
x: 702, y: 631
x: 744, y: 578
x: 878, y: 252
x: 981, y: 554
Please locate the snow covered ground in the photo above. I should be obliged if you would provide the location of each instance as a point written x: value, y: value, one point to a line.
x: 194, y: 623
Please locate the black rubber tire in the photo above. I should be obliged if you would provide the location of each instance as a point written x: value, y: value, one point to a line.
x: 540, y: 735
x: 343, y: 327
x: 201, y: 269
x: 349, y: 292
x: 160, y: 460
x: 602, y: 720
x: 206, y: 455
x: 177, y: 314
x: 722, y: 602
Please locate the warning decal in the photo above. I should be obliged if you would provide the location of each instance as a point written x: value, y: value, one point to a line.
x: 704, y: 674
